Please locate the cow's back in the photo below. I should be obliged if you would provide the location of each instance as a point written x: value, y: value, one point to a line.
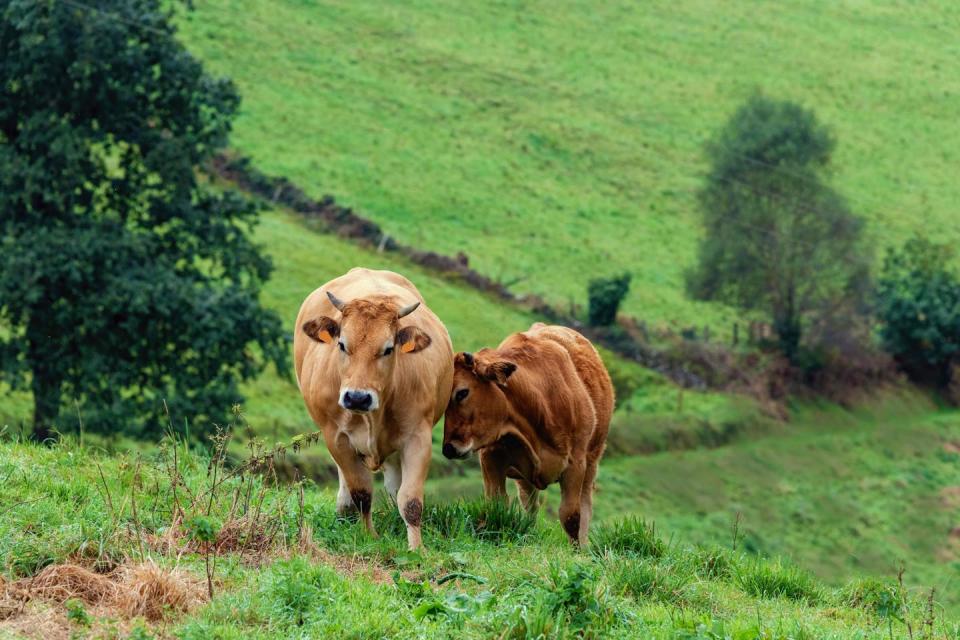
x: 590, y: 369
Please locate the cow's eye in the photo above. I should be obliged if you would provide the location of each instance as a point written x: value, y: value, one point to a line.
x: 388, y: 351
x: 342, y: 347
x: 461, y: 394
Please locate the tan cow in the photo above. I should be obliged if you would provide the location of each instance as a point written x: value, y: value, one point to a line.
x: 374, y: 366
x: 537, y: 409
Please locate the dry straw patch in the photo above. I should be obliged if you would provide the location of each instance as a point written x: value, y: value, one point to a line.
x: 153, y: 592
x: 142, y: 590
x: 62, y: 582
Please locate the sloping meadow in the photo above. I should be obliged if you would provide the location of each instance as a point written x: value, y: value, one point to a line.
x: 178, y: 545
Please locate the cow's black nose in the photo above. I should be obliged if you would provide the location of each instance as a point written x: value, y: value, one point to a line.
x: 449, y: 452
x: 357, y: 400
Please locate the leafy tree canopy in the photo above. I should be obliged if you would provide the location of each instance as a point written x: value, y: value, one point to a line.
x: 778, y: 238
x: 124, y: 280
x: 918, y: 304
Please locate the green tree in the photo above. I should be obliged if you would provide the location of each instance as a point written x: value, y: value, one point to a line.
x: 605, y: 296
x: 778, y: 239
x: 124, y: 279
x: 918, y: 305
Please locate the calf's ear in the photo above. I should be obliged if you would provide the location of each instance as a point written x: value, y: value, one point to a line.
x: 322, y: 329
x: 496, y: 371
x: 410, y: 339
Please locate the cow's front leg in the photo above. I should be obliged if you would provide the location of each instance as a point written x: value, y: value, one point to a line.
x: 392, y: 476
x: 571, y: 487
x: 356, y: 481
x: 414, y: 465
x: 493, y: 467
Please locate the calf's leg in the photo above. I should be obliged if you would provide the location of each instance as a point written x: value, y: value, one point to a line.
x: 414, y: 465
x: 571, y: 488
x: 586, y: 500
x: 494, y: 471
x: 529, y: 496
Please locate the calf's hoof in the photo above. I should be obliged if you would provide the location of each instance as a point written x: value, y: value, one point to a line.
x: 571, y: 524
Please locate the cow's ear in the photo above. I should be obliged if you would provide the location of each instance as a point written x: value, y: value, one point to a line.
x: 322, y: 329
x: 496, y: 371
x: 410, y: 339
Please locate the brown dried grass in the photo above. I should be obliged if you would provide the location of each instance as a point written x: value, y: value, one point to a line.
x: 130, y: 591
x: 153, y: 592
x: 62, y: 582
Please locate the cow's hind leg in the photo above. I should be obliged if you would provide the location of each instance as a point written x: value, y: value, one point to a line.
x: 356, y: 482
x: 529, y: 496
x: 586, y: 500
x: 571, y: 491
x: 414, y: 464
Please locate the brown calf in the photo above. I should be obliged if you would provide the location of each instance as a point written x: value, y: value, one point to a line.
x: 537, y: 409
x: 374, y: 366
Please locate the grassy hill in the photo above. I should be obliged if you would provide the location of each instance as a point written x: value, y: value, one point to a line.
x: 114, y: 547
x: 554, y: 143
x: 842, y: 493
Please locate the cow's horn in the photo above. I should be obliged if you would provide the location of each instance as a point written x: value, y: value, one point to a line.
x: 407, y: 310
x: 337, y: 302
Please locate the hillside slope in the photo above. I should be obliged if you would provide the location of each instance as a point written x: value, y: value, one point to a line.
x: 842, y: 493
x: 98, y: 545
x: 555, y: 143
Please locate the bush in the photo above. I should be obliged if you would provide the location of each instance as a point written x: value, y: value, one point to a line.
x: 605, y: 295
x: 918, y: 304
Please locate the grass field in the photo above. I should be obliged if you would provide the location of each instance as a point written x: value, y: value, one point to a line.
x: 99, y: 546
x: 842, y: 493
x: 553, y: 143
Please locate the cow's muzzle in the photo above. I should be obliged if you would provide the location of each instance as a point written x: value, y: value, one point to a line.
x: 453, y: 453
x: 359, y: 400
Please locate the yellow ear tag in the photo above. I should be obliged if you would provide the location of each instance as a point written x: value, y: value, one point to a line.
x: 407, y: 347
x: 325, y: 336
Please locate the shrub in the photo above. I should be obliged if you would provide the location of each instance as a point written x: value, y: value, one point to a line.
x: 630, y: 535
x: 605, y: 296
x: 918, y: 304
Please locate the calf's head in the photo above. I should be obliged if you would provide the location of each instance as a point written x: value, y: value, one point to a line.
x: 478, y: 408
x: 369, y: 339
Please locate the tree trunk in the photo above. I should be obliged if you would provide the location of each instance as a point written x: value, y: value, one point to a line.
x: 789, y: 332
x: 46, y: 404
x: 46, y: 370
x: 786, y: 322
